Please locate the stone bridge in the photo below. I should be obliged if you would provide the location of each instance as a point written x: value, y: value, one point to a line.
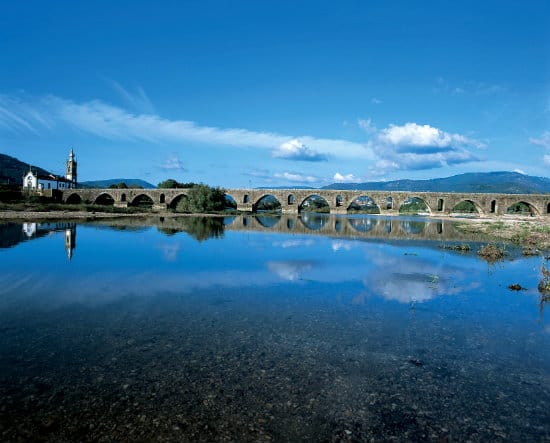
x: 296, y: 200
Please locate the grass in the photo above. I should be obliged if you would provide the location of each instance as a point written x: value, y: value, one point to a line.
x: 492, y: 253
x: 33, y: 206
x: 533, y: 236
x: 465, y: 247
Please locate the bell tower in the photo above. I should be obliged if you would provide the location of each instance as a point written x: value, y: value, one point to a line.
x: 71, y: 169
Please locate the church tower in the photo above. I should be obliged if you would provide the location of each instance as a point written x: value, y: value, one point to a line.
x: 71, y: 169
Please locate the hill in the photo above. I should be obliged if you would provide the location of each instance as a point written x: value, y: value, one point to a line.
x: 12, y: 170
x: 478, y: 182
x: 130, y: 182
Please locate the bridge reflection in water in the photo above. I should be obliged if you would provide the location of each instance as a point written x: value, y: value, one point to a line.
x: 355, y: 226
x: 202, y: 228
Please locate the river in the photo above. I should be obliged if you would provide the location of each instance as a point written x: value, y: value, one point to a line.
x: 269, y: 329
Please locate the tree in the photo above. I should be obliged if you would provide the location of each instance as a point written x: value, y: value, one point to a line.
x: 120, y: 185
x: 173, y: 184
x: 202, y: 198
x: 168, y: 184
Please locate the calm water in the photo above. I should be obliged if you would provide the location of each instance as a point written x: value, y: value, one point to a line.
x: 259, y: 329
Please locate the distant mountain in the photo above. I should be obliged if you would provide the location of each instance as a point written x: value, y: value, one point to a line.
x: 130, y: 182
x: 12, y: 170
x: 285, y: 187
x: 478, y: 182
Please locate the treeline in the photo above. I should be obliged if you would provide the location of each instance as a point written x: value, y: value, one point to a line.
x: 200, y: 198
x: 173, y: 184
x: 123, y: 185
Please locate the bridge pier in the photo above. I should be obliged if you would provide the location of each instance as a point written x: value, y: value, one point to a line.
x: 338, y: 210
x: 289, y: 209
x: 244, y: 207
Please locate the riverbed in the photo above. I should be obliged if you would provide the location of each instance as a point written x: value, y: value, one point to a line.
x: 287, y: 329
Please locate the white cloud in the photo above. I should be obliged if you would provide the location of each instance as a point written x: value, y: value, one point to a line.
x: 543, y: 140
x: 468, y: 87
x: 296, y: 177
x: 19, y: 117
x: 366, y: 125
x: 375, y: 101
x: 520, y: 171
x: 339, y: 178
x: 173, y: 163
x: 422, y: 136
x: 296, y: 150
x: 114, y: 123
x: 414, y: 147
x: 138, y: 101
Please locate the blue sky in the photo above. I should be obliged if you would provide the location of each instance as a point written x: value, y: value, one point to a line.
x: 276, y: 93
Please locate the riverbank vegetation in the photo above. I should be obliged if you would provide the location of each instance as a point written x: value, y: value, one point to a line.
x: 203, y: 199
x: 533, y: 234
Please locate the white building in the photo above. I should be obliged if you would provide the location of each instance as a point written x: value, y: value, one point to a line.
x: 39, y: 182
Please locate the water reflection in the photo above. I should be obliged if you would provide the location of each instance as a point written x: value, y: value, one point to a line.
x: 11, y: 234
x: 313, y: 220
x: 268, y: 221
x: 200, y: 228
x: 363, y: 224
x: 410, y: 278
x: 290, y: 270
x: 413, y: 227
x: 304, y: 336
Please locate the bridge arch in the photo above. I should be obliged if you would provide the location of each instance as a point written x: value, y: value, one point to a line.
x: 230, y: 202
x: 173, y: 204
x: 364, y: 204
x: 267, y: 202
x: 467, y: 206
x: 314, y: 203
x: 522, y: 207
x: 74, y: 199
x: 142, y: 200
x: 548, y: 208
x: 290, y: 199
x: 415, y: 205
x: 104, y: 199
